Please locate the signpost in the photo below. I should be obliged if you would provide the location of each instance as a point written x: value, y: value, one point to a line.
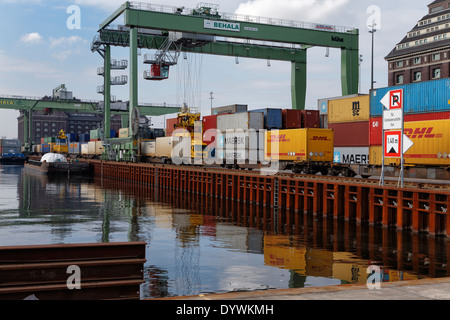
x: 395, y: 143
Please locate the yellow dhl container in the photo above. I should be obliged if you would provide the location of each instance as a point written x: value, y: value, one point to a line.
x: 52, y: 146
x: 431, y: 145
x: 349, y: 109
x: 299, y: 145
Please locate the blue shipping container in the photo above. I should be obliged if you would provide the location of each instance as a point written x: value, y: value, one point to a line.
x: 72, y: 137
x: 273, y: 118
x: 420, y: 97
x: 45, y: 148
x: 84, y: 137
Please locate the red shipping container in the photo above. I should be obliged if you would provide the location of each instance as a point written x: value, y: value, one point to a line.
x: 310, y: 119
x: 170, y: 126
x: 292, y: 119
x: 376, y: 124
x: 351, y: 134
x: 209, y: 122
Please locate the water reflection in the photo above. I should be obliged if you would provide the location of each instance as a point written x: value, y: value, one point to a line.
x: 198, y: 244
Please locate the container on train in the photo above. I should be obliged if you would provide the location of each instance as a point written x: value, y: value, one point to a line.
x: 148, y: 148
x: 351, y: 134
x: 164, y: 147
x: 351, y: 155
x: 74, y: 147
x: 72, y: 137
x: 241, y: 145
x: 310, y: 119
x: 418, y: 97
x: 243, y: 120
x: 349, y: 109
x: 84, y: 146
x: 209, y: 127
x: 234, y: 108
x: 431, y: 144
x: 273, y: 118
x: 322, y: 104
x: 46, y: 148
x: 376, y: 123
x: 300, y: 145
x: 292, y: 119
x: 95, y: 147
x: 61, y: 148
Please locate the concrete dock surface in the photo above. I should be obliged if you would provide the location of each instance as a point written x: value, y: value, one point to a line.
x: 424, y: 289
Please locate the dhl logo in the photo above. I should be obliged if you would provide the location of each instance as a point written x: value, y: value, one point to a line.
x: 420, y: 133
x: 278, y: 138
x: 320, y: 138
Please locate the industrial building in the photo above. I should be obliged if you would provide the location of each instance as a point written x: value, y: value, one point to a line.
x: 424, y: 53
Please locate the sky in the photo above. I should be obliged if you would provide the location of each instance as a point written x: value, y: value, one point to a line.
x: 40, y: 49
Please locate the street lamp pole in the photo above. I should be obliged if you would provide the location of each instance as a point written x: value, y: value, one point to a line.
x: 372, y: 31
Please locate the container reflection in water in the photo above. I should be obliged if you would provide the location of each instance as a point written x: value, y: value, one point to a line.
x: 197, y: 244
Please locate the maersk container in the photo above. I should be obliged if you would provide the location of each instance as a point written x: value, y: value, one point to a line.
x: 273, y: 118
x: 243, y: 120
x: 419, y: 97
x: 351, y: 155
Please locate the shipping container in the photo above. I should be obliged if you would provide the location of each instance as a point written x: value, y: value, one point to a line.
x: 351, y: 134
x: 112, y: 133
x: 123, y: 133
x: 84, y: 146
x: 418, y: 97
x: 170, y: 126
x: 84, y: 137
x: 10, y: 143
x: 351, y: 155
x: 148, y: 148
x: 95, y: 147
x: 273, y: 118
x: 61, y: 148
x: 324, y: 121
x: 209, y: 123
x: 94, y: 134
x: 72, y: 137
x: 310, y: 119
x: 11, y: 150
x: 292, y: 119
x: 74, y: 147
x: 164, y: 147
x: 241, y: 146
x: 349, y: 109
x: 243, y: 120
x: 376, y: 123
x: 46, y: 148
x: 431, y: 144
x: 300, y: 145
x: 322, y: 104
x: 234, y: 108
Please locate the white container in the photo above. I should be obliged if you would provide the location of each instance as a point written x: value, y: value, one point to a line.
x: 85, y: 148
x: 351, y: 155
x: 148, y: 148
x: 164, y: 147
x: 243, y: 120
x: 229, y: 109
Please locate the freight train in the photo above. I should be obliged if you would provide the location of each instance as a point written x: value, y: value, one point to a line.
x: 343, y: 137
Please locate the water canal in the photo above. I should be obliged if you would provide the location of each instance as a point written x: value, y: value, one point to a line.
x: 198, y: 244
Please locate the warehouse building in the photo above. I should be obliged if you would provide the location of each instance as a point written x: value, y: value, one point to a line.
x: 424, y: 53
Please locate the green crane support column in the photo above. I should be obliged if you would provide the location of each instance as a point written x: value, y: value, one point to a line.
x: 25, y: 130
x: 133, y: 78
x: 107, y: 92
x: 298, y: 85
x: 349, y: 71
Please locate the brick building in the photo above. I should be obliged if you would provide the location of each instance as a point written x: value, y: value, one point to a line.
x: 424, y: 53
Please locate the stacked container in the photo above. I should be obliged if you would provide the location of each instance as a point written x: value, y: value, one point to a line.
x: 238, y: 137
x: 349, y: 118
x: 170, y: 126
x: 426, y: 121
x: 273, y: 118
x: 234, y: 108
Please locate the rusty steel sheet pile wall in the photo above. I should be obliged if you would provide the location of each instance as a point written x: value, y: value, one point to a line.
x: 420, y: 210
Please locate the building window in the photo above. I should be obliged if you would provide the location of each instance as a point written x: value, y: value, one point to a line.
x: 416, y: 60
x: 417, y: 76
x: 436, y: 74
x: 399, y: 64
x: 436, y: 56
x: 399, y: 79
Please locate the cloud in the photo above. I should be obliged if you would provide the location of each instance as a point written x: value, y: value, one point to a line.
x: 31, y: 38
x: 306, y: 10
x: 66, y: 41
